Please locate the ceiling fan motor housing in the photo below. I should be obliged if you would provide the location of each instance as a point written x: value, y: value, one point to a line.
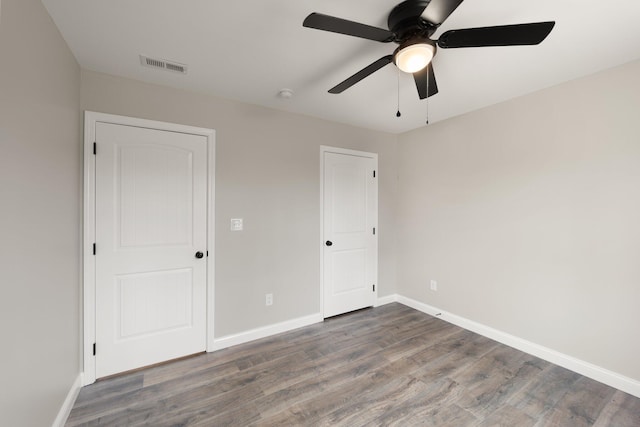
x: 405, y: 21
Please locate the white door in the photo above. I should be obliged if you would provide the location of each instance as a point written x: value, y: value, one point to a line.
x: 350, y: 245
x: 151, y: 210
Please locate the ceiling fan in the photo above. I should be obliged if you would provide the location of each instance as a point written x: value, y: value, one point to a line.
x: 411, y: 25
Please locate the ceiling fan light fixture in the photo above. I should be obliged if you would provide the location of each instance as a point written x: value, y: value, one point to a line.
x: 414, y: 57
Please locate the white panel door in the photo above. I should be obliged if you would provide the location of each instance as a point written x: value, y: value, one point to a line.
x: 151, y: 210
x: 350, y: 244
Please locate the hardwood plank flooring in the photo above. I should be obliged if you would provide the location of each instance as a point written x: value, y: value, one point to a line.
x: 391, y: 366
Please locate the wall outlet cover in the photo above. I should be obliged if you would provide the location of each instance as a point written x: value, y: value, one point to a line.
x: 236, y: 224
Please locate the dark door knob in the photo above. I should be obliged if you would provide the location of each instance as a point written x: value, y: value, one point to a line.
x: 328, y: 243
x: 199, y: 254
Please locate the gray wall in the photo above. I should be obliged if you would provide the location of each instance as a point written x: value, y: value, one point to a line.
x: 267, y: 172
x: 527, y: 214
x: 40, y: 189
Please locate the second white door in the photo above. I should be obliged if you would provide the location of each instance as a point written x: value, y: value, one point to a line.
x: 151, y: 219
x: 350, y: 245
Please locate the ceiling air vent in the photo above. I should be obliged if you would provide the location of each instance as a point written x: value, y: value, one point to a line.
x: 163, y: 64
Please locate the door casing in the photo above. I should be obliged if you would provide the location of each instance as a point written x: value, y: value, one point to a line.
x: 327, y: 149
x: 89, y: 227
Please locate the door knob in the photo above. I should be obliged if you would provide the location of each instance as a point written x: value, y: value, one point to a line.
x: 199, y: 254
x: 328, y: 243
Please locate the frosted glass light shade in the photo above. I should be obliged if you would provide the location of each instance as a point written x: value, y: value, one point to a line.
x: 415, y: 57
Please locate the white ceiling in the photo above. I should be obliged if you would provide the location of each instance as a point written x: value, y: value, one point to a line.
x: 250, y: 49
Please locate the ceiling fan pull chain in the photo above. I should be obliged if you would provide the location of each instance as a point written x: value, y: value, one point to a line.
x: 428, y: 93
x: 398, y: 113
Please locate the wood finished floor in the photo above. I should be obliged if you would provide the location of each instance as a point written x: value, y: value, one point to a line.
x: 391, y: 365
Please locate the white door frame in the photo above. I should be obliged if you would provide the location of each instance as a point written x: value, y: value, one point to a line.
x: 328, y: 149
x: 89, y: 226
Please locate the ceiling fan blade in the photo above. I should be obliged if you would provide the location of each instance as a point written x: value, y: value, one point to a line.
x: 350, y: 28
x: 422, y: 77
x: 505, y: 35
x: 366, y: 71
x: 438, y: 10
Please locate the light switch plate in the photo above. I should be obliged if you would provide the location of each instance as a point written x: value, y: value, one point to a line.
x: 236, y: 224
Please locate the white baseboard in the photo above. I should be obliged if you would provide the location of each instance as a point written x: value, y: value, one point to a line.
x: 613, y: 379
x: 65, y: 410
x: 254, y: 334
x: 386, y: 300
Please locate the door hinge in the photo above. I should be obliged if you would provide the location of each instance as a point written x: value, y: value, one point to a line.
x: 374, y: 231
x: 95, y: 148
x: 94, y: 248
x: 374, y: 288
x: 94, y: 349
x: 374, y: 174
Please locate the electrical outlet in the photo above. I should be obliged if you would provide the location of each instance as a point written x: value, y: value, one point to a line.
x: 236, y: 224
x: 269, y: 299
x: 434, y: 285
